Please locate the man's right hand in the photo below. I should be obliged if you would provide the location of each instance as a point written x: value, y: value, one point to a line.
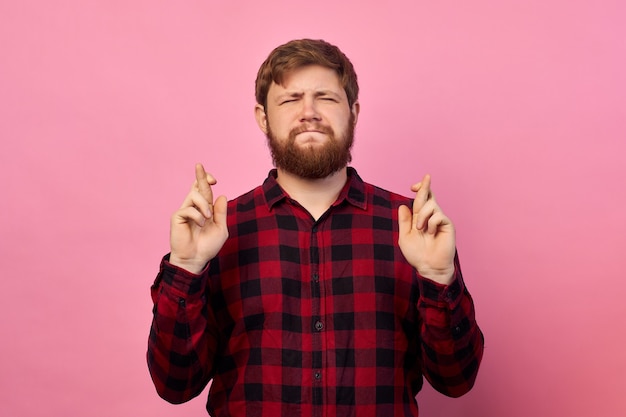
x: 198, y: 229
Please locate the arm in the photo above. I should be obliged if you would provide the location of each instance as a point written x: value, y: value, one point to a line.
x: 183, y: 337
x: 451, y: 341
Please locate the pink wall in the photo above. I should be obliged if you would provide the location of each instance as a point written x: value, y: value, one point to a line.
x: 517, y: 109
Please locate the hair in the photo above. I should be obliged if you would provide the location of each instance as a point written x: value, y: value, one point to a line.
x: 300, y: 53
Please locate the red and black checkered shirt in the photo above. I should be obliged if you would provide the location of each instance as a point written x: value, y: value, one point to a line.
x: 298, y: 317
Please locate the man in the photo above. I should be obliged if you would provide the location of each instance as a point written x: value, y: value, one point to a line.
x: 315, y: 293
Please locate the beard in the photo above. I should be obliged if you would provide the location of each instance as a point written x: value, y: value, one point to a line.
x: 308, y: 161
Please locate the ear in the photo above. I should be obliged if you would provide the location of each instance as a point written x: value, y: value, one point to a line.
x: 261, y: 117
x: 356, y: 108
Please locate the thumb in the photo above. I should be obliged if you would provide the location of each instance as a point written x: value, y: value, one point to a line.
x: 219, y: 210
x: 404, y: 220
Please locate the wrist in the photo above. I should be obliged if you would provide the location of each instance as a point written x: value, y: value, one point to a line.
x: 444, y: 277
x: 194, y: 267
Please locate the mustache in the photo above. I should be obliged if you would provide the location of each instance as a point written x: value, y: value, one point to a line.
x: 311, y: 127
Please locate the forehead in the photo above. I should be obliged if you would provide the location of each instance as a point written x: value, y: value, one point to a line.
x: 309, y: 77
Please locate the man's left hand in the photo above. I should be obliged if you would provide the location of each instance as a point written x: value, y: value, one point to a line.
x: 427, y: 237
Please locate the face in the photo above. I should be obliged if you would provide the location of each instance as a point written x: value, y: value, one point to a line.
x: 308, y: 123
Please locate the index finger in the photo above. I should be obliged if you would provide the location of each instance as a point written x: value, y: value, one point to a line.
x: 203, y: 181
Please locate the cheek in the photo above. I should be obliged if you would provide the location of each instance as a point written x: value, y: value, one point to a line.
x: 343, y: 122
x: 284, y: 117
x: 279, y: 126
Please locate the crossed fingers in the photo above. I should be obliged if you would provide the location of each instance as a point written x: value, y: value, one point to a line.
x: 427, y: 215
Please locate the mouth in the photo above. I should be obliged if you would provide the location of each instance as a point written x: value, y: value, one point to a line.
x: 313, y: 129
x: 310, y: 137
x: 311, y: 134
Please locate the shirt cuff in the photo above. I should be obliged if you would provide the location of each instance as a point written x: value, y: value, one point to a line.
x: 436, y: 294
x: 182, y: 280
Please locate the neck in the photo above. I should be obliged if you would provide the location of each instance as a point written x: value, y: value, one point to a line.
x: 315, y: 195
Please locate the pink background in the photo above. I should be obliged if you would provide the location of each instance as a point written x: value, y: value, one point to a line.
x: 517, y: 109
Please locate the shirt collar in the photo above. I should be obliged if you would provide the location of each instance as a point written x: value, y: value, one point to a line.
x: 353, y: 192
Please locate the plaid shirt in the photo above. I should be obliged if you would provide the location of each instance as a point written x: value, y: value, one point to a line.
x: 311, y: 318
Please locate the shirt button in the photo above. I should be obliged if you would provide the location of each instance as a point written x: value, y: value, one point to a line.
x: 181, y: 302
x: 317, y: 375
x: 316, y: 277
x: 319, y: 325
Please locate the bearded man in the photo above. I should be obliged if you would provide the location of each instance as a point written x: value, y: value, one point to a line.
x: 316, y: 293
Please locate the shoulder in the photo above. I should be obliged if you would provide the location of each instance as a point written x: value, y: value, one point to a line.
x: 380, y: 197
x: 373, y: 195
x: 248, y: 201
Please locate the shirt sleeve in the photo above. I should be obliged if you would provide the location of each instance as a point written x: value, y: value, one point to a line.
x: 183, y: 335
x: 451, y: 341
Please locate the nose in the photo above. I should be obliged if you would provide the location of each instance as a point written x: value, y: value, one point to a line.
x: 309, y: 110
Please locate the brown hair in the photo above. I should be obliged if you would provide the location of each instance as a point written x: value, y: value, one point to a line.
x: 302, y: 52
